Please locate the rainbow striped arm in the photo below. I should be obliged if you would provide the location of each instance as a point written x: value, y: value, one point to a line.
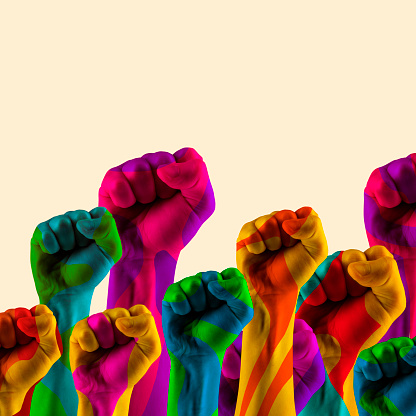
x: 159, y: 202
x: 308, y: 370
x: 202, y: 316
x: 70, y: 255
x: 352, y: 306
x: 385, y: 379
x: 390, y: 221
x: 109, y: 353
x: 29, y: 344
x: 277, y: 254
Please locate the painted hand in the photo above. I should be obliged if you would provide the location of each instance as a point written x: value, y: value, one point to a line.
x: 109, y: 353
x: 385, y: 379
x: 29, y: 344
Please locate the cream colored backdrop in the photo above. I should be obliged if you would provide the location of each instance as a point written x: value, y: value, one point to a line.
x: 289, y: 103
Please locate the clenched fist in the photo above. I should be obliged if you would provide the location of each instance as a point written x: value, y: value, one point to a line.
x: 109, y: 353
x: 29, y: 344
x: 389, y: 216
x: 353, y: 304
x: 202, y: 316
x: 385, y: 379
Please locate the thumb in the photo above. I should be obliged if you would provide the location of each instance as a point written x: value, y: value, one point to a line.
x: 382, y: 276
x: 102, y: 229
x: 143, y: 329
x: 190, y: 177
x: 308, y: 229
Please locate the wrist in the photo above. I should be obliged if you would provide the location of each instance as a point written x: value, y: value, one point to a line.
x: 11, y: 403
x: 104, y: 404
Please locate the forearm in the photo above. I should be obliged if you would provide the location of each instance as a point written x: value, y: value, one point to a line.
x: 266, y: 381
x: 56, y: 391
x: 194, y: 387
x: 145, y: 282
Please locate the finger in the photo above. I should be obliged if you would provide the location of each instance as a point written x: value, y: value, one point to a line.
x: 103, y: 329
x: 44, y: 237
x: 281, y: 217
x: 103, y: 230
x: 113, y: 315
x: 7, y: 333
x: 76, y: 216
x: 43, y: 327
x: 116, y: 185
x: 403, y: 174
x: 251, y: 238
x: 21, y: 337
x: 368, y: 365
x: 142, y: 328
x: 348, y: 257
x: 194, y: 290
x: 308, y: 229
x: 382, y: 276
x: 177, y: 299
x: 155, y: 161
x: 140, y: 177
x: 385, y: 354
x: 192, y: 180
x: 334, y: 283
x: 62, y: 228
x: 211, y: 301
x: 376, y: 252
x: 84, y: 336
x: 269, y: 229
x: 381, y: 188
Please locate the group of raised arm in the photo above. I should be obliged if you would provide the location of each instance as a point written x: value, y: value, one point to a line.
x: 290, y: 331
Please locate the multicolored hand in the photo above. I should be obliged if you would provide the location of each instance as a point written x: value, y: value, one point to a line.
x: 29, y: 344
x: 277, y: 254
x: 109, y: 353
x: 351, y: 306
x: 70, y: 255
x: 159, y: 202
x: 202, y: 316
x: 385, y: 379
x: 390, y: 221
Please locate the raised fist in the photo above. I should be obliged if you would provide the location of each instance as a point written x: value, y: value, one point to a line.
x: 277, y: 253
x: 159, y: 201
x: 29, y: 344
x: 202, y: 316
x: 354, y: 301
x: 389, y: 216
x: 74, y: 249
x: 385, y: 379
x: 109, y: 353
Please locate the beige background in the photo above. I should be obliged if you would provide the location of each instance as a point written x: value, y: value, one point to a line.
x: 289, y: 103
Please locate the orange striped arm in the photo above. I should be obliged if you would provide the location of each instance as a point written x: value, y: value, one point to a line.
x: 277, y: 253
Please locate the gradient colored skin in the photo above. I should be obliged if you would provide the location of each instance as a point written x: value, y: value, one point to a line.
x: 349, y: 308
x: 385, y: 379
x: 390, y: 221
x: 159, y: 202
x: 202, y: 316
x: 110, y: 352
x: 29, y: 344
x: 277, y: 254
x: 308, y: 370
x: 70, y: 255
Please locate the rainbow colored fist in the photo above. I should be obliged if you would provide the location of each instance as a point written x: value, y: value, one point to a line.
x: 390, y: 221
x: 70, y: 255
x: 350, y: 302
x: 159, y: 202
x: 385, y: 379
x: 29, y: 344
x: 109, y: 353
x: 202, y: 316
x: 277, y: 253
